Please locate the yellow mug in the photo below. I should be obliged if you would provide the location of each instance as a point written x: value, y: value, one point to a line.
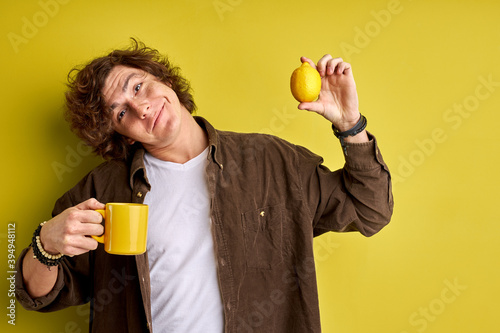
x: 125, y: 228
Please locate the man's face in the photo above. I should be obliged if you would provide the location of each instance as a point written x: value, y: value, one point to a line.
x: 143, y: 108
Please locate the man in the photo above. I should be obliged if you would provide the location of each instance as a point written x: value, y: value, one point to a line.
x: 232, y: 216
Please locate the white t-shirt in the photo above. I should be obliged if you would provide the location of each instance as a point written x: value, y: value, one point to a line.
x: 185, y: 294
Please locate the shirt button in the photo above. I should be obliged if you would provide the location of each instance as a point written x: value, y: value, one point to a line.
x: 228, y: 306
x: 139, y: 194
x: 222, y: 262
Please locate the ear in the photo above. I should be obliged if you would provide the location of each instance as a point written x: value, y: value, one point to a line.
x: 130, y: 141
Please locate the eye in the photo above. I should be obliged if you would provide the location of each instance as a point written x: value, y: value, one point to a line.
x: 137, y: 88
x: 121, y: 114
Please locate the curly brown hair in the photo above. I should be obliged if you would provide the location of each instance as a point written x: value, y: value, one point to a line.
x: 85, y: 105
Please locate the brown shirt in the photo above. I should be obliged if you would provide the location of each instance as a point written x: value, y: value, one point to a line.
x: 269, y: 198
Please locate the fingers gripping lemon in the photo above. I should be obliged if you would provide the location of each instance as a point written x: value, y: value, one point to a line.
x: 305, y: 83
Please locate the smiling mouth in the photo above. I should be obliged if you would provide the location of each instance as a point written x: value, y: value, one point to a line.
x: 157, y: 116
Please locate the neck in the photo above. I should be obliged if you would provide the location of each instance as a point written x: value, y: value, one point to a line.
x: 190, y: 142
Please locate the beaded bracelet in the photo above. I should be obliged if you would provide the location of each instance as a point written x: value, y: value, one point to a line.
x: 39, y: 252
x: 358, y: 128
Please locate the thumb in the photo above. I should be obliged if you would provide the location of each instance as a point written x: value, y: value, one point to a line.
x: 311, y: 106
x: 90, y: 204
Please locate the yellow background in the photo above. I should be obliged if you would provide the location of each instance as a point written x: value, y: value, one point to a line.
x: 417, y: 63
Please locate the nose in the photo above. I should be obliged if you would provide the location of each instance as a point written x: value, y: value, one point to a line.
x: 141, y: 108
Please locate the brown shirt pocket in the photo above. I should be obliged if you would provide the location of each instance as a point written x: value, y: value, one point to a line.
x: 263, y: 236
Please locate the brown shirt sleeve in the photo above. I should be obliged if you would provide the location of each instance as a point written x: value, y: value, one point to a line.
x: 22, y: 295
x: 72, y: 285
x: 357, y: 197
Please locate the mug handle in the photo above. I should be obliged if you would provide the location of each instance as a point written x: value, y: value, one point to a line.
x: 100, y: 239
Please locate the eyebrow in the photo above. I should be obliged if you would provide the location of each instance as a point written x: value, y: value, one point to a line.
x: 124, y: 88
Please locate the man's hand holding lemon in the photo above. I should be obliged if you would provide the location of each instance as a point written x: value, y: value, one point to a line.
x: 338, y: 98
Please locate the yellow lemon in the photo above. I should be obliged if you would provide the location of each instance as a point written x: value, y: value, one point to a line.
x: 305, y: 83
